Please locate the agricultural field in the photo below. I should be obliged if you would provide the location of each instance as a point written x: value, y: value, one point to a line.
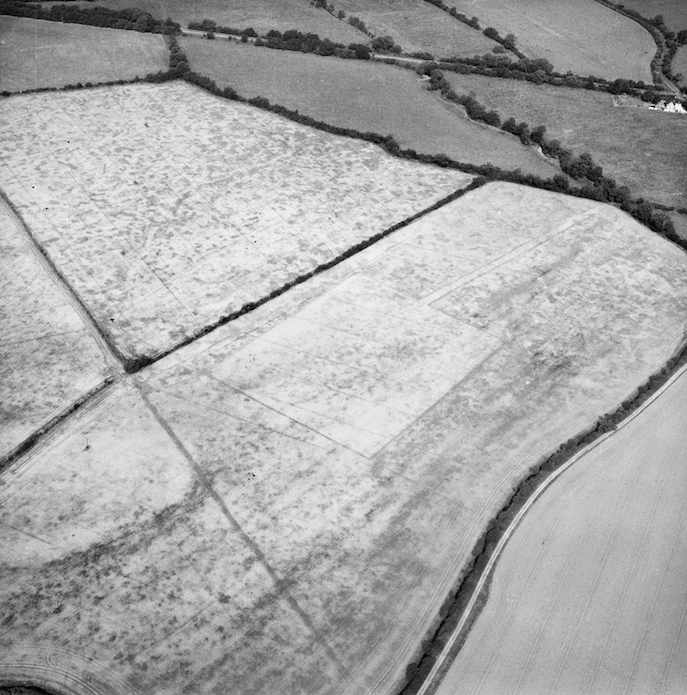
x: 262, y: 15
x: 589, y: 595
x: 167, y: 208
x: 49, y: 359
x: 582, y: 36
x: 37, y: 53
x: 679, y: 65
x: 643, y: 149
x: 416, y: 25
x: 283, y: 505
x: 674, y: 12
x: 364, y: 96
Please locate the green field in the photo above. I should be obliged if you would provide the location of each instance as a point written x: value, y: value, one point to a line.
x: 262, y: 15
x: 418, y: 26
x: 582, y: 36
x: 680, y: 64
x: 361, y: 95
x: 37, y: 53
x: 643, y: 149
x: 674, y: 12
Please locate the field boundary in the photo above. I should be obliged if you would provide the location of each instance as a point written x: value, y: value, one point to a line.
x: 7, y: 459
x: 457, y: 614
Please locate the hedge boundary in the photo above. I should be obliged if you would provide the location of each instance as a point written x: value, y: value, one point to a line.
x: 453, y: 608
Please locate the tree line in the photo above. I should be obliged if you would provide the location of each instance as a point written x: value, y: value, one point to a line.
x: 131, y: 19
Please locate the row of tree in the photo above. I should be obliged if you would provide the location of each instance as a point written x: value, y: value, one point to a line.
x: 583, y: 168
x: 127, y: 19
x: 456, y: 603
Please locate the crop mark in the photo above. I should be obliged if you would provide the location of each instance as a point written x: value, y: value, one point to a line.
x: 279, y: 583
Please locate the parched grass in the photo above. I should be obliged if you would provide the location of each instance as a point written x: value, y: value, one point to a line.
x: 169, y: 209
x: 418, y: 26
x: 580, y: 35
x: 643, y: 149
x: 48, y: 358
x: 283, y: 505
x: 38, y: 53
x: 364, y: 96
x: 262, y: 15
x: 674, y: 12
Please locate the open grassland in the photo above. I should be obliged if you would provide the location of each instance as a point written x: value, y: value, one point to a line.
x: 48, y: 357
x: 679, y: 65
x: 282, y: 506
x: 674, y: 12
x: 262, y: 15
x: 418, y: 26
x: 364, y: 96
x: 680, y: 223
x: 168, y: 208
x: 589, y: 595
x: 37, y: 53
x: 643, y: 149
x: 581, y: 35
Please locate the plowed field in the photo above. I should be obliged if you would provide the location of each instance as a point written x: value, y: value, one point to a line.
x: 589, y: 595
x: 282, y: 505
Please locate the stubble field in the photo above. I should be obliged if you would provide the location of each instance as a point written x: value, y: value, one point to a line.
x: 418, y: 26
x: 36, y: 53
x: 325, y: 463
x: 582, y: 36
x: 364, y: 96
x: 167, y: 208
x: 589, y: 595
x: 626, y: 141
x: 48, y: 357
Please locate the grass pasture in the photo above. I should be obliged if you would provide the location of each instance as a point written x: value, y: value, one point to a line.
x: 48, y: 357
x: 361, y: 95
x: 167, y: 208
x: 418, y: 26
x: 674, y: 11
x: 679, y: 65
x: 262, y: 15
x: 643, y: 149
x: 334, y: 454
x: 588, y: 596
x: 38, y: 53
x: 582, y: 36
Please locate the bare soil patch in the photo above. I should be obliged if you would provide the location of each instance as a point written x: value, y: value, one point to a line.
x: 36, y: 53
x: 348, y: 441
x: 643, y: 149
x: 582, y: 36
x: 364, y: 96
x: 168, y: 208
x: 587, y: 596
x: 48, y: 356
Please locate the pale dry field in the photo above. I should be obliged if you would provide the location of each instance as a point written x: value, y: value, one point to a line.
x: 418, y: 26
x: 589, y: 595
x: 36, y: 53
x: 679, y: 65
x: 48, y: 356
x: 582, y: 36
x: 167, y: 208
x: 282, y: 506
